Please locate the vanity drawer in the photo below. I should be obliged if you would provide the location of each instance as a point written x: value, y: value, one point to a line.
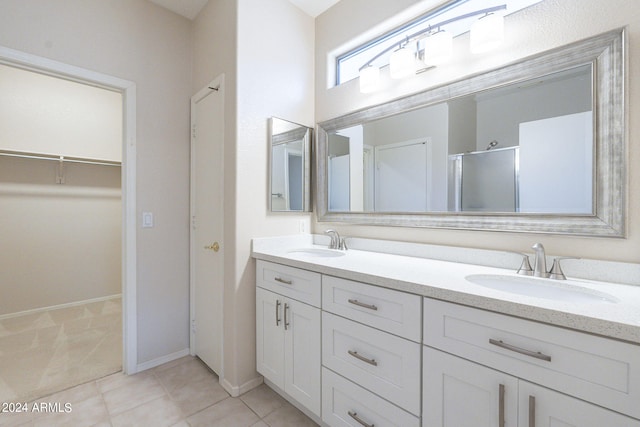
x: 383, y: 363
x: 344, y: 403
x: 301, y: 285
x: 597, y: 369
x: 393, y: 311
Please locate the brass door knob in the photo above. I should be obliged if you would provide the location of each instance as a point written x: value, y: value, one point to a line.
x: 215, y: 247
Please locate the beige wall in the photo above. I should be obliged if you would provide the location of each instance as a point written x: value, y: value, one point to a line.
x: 137, y: 41
x: 265, y: 50
x: 61, y: 242
x: 49, y: 115
x: 544, y: 26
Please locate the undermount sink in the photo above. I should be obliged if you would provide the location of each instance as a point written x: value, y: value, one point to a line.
x: 316, y: 252
x: 556, y: 290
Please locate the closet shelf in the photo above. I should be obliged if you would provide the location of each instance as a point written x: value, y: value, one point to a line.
x: 40, y: 156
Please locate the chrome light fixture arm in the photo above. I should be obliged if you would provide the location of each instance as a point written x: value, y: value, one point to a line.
x: 418, y: 35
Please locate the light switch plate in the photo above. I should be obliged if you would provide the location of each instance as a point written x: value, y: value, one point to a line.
x: 147, y: 219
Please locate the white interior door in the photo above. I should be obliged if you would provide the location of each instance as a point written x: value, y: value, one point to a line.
x: 339, y: 184
x: 401, y: 176
x: 207, y: 247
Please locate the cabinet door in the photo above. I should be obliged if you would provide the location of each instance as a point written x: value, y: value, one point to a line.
x: 541, y: 407
x: 459, y: 393
x: 302, y: 353
x: 270, y: 336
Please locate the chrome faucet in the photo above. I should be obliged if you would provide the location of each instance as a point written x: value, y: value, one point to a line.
x: 540, y: 261
x: 540, y: 264
x: 336, y: 241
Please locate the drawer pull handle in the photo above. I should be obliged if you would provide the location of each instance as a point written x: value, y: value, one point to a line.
x: 524, y: 351
x: 532, y: 411
x: 355, y: 416
x: 278, y: 320
x: 364, y: 359
x: 281, y: 280
x: 361, y: 304
x: 286, y: 322
x: 501, y: 406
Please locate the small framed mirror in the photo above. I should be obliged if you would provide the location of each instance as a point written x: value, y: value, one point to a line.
x: 290, y: 166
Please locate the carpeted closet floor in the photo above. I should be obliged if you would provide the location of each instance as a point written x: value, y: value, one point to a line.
x: 46, y: 352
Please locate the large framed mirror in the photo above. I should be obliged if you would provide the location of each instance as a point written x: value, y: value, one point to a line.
x: 535, y: 146
x: 290, y: 166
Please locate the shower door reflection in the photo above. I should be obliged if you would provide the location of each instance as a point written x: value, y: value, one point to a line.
x: 485, y: 181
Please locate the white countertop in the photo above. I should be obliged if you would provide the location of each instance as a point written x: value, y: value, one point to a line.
x: 445, y: 280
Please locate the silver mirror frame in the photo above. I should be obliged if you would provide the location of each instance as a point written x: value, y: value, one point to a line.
x: 606, y: 54
x: 306, y: 135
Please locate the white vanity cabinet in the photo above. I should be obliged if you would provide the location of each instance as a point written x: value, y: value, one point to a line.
x: 459, y: 393
x: 288, y: 331
x: 525, y: 373
x: 370, y: 355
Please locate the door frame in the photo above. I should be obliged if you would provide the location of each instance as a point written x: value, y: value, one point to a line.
x: 15, y: 58
x: 217, y: 84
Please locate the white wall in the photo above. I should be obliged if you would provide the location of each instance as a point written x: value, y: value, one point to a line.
x: 61, y: 241
x: 143, y: 43
x: 265, y: 50
x: 500, y: 114
x: 541, y: 27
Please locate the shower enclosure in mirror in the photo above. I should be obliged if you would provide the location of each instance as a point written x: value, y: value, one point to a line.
x: 534, y: 146
x: 290, y: 175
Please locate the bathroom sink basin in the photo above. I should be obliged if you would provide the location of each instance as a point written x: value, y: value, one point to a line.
x: 316, y: 252
x: 557, y: 290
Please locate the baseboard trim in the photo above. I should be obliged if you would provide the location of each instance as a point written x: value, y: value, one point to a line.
x: 161, y: 360
x: 59, y: 306
x: 236, y: 391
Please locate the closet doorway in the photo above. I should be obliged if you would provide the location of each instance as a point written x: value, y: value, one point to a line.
x: 67, y: 220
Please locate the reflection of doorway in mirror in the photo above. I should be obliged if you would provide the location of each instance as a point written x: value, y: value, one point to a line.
x: 368, y: 176
x: 401, y: 171
x: 339, y: 193
x: 279, y: 179
x: 287, y: 181
x: 295, y: 178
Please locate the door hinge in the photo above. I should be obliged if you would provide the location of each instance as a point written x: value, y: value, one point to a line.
x: 193, y: 325
x: 193, y: 222
x: 193, y: 131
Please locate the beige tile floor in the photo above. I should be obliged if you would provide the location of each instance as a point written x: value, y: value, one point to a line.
x: 180, y: 393
x: 45, y: 352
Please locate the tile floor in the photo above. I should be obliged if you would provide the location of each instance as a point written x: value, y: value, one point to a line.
x: 45, y: 352
x: 180, y: 393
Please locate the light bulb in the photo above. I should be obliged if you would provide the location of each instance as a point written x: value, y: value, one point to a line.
x: 438, y: 48
x: 402, y: 63
x: 486, y: 33
x: 369, y: 79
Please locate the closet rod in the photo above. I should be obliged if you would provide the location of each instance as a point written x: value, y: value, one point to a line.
x: 37, y: 156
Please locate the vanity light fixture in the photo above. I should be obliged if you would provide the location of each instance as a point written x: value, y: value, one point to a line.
x: 438, y: 47
x: 402, y: 62
x: 485, y: 34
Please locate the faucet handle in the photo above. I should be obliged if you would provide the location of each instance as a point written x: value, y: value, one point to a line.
x: 556, y: 270
x: 525, y: 268
x: 343, y: 244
